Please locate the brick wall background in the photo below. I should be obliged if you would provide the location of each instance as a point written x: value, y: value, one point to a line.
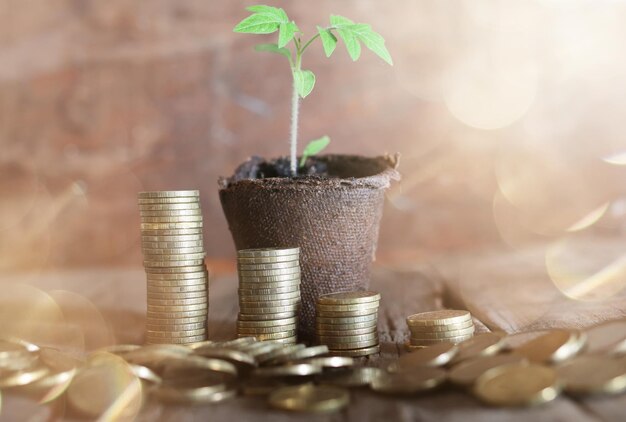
x: 509, y: 118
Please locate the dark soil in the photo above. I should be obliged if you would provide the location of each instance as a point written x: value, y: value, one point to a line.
x: 260, y: 168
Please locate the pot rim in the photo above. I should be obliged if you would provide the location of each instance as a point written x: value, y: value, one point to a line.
x: 381, y: 180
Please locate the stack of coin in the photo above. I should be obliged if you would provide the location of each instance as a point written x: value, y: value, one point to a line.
x: 269, y: 293
x: 428, y: 328
x: 172, y: 245
x: 347, y: 323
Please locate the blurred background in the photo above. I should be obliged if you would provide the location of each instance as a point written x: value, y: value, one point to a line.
x: 509, y: 116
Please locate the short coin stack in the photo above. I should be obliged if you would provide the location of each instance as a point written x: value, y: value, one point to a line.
x: 172, y: 245
x: 347, y: 323
x: 269, y: 293
x: 429, y: 328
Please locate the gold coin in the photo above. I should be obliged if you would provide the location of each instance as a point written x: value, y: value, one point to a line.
x: 184, y: 289
x: 593, y: 375
x: 330, y: 361
x: 436, y: 355
x: 341, y: 333
x: 443, y: 335
x: 239, y: 342
x: 355, y: 377
x: 608, y: 337
x: 266, y: 292
x: 347, y: 338
x: 269, y: 267
x: 274, y: 336
x: 348, y: 298
x: 517, y: 385
x: 342, y: 314
x: 171, y: 226
x: 174, y: 341
x: 440, y: 328
x: 553, y: 346
x: 168, y: 194
x: 416, y: 380
x: 347, y: 327
x: 160, y: 232
x: 175, y: 334
x: 169, y: 201
x: 61, y: 370
x: 254, y: 285
x: 346, y: 308
x: 267, y: 273
x: 182, y: 363
x: 177, y: 302
x: 356, y: 345
x: 272, y: 310
x: 185, y: 284
x: 170, y: 206
x: 269, y: 323
x: 265, y: 386
x: 483, y: 344
x: 262, y: 252
x: 270, y: 298
x: 155, y: 356
x: 169, y: 258
x: 172, y: 220
x: 269, y: 303
x: 119, y: 349
x: 145, y: 374
x: 172, y: 245
x: 261, y: 347
x: 179, y: 273
x: 173, y: 239
x: 231, y: 355
x: 157, y: 315
x: 298, y: 369
x: 105, y: 380
x: 467, y: 372
x: 265, y: 317
x: 176, y: 327
x: 178, y: 308
x: 152, y: 296
x: 272, y: 354
x: 268, y: 259
x: 298, y: 355
x: 310, y: 398
x: 365, y: 351
x: 428, y: 342
x: 172, y: 253
x: 346, y: 320
x: 170, y: 213
x: 265, y: 330
x: 171, y: 264
x: 177, y: 322
x: 288, y: 340
x: 442, y: 317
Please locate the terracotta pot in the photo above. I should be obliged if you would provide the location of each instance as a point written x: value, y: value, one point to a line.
x: 334, y: 220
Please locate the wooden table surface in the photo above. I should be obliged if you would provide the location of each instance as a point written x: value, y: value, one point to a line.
x: 504, y: 291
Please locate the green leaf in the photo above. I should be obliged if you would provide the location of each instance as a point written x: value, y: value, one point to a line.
x: 286, y: 34
x: 258, y: 23
x: 269, y: 10
x: 329, y: 41
x: 372, y: 40
x: 304, y: 81
x: 349, y: 38
x: 314, y: 147
x: 273, y: 48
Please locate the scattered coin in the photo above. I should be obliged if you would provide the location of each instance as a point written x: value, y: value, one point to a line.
x: 593, y: 375
x: 365, y: 351
x: 310, y: 398
x: 443, y: 317
x: 355, y: 377
x: 518, y: 385
x: 416, y: 380
x: 436, y: 355
x: 483, y: 344
x: 608, y: 337
x: 467, y: 372
x: 553, y: 346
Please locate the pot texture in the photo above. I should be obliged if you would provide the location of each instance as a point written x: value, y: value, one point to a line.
x: 333, y: 219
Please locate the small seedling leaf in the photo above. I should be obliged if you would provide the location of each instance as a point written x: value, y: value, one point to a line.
x: 329, y: 41
x: 304, y: 81
x: 372, y: 40
x: 286, y: 33
x: 269, y: 10
x: 314, y: 147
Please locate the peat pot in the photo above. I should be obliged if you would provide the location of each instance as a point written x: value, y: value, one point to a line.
x: 332, y: 213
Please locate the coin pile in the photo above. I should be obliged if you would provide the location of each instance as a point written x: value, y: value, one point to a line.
x: 347, y: 323
x: 269, y: 293
x: 177, y: 278
x: 428, y: 328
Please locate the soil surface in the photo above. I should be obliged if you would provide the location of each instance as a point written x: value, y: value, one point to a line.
x: 260, y: 168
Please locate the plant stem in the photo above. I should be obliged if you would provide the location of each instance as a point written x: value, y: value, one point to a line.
x: 295, y: 108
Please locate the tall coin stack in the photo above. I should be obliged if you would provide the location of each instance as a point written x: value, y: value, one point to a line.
x: 177, y: 278
x: 347, y: 323
x: 269, y: 293
x: 449, y: 325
